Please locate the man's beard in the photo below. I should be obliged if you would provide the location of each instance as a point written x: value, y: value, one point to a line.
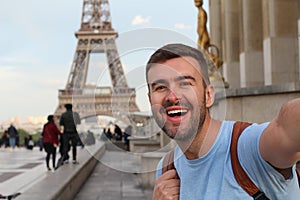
x: 196, y: 122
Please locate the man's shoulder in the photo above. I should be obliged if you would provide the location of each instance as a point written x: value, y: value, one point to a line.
x: 229, y: 125
x: 67, y: 114
x: 255, y: 128
x: 63, y: 114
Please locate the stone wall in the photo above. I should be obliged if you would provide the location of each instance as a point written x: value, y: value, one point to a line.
x: 255, y: 104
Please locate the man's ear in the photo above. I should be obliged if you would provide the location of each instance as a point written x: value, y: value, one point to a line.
x: 210, y: 95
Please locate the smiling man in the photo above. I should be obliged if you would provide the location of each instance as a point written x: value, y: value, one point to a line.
x: 180, y: 94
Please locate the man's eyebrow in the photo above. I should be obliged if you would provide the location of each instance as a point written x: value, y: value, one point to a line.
x: 159, y: 81
x: 180, y: 78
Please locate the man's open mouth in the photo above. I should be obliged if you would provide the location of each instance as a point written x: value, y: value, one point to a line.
x: 176, y: 113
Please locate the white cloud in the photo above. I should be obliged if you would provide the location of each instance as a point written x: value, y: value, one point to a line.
x: 182, y: 26
x: 10, y: 78
x: 7, y: 72
x: 139, y: 20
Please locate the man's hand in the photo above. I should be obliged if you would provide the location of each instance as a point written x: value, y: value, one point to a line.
x: 167, y: 186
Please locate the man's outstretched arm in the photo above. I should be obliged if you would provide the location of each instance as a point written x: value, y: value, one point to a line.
x: 280, y: 141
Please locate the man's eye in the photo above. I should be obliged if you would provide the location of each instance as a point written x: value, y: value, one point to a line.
x: 185, y: 83
x: 159, y: 88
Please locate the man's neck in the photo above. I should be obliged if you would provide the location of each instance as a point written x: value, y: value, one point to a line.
x: 203, y: 140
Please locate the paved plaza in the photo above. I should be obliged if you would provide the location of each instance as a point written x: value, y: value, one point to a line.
x: 114, y: 178
x: 20, y: 169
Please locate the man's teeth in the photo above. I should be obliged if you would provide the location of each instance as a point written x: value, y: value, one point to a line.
x: 177, y: 112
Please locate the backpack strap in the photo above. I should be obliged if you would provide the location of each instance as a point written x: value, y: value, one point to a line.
x: 168, y: 162
x: 298, y: 176
x: 240, y: 175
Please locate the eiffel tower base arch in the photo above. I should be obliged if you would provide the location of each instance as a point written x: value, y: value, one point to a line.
x: 100, y: 101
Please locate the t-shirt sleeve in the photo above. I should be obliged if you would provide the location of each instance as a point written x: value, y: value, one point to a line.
x: 262, y: 173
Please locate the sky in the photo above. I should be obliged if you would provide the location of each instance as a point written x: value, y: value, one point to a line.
x: 38, y: 45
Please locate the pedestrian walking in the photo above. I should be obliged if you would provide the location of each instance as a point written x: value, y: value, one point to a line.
x: 12, y: 135
x: 50, y: 140
x: 5, y: 139
x: 69, y: 121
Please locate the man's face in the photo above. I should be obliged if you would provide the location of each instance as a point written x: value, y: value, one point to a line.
x: 177, y: 97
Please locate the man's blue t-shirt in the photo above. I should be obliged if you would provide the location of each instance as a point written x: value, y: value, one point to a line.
x: 211, y: 176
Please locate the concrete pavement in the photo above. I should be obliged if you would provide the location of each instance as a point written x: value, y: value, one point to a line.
x: 115, y: 178
x: 20, y: 169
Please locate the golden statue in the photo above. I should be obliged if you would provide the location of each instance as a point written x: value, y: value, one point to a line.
x: 203, y: 37
x: 204, y: 43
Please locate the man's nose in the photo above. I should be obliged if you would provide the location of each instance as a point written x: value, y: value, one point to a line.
x: 173, y: 97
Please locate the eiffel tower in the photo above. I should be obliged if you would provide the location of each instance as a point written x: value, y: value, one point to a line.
x: 96, y: 35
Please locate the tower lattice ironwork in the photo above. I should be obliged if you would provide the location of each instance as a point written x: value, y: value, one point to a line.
x: 96, y: 35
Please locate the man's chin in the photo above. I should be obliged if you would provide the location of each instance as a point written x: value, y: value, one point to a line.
x: 169, y: 133
x: 178, y: 134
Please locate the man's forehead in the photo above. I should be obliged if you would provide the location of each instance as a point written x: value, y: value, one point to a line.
x: 174, y: 68
x: 178, y: 61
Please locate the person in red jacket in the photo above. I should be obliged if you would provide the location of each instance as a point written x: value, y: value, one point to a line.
x: 50, y: 140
